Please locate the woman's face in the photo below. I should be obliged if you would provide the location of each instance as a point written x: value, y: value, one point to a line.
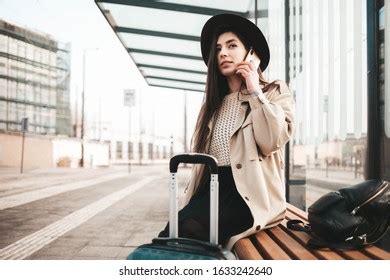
x: 230, y: 51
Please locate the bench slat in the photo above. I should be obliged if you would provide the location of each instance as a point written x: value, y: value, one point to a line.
x: 269, y: 248
x: 370, y: 252
x: 298, y: 212
x: 377, y: 253
x: 289, y: 245
x: 303, y: 237
x: 281, y: 243
x: 353, y: 255
x: 246, y: 250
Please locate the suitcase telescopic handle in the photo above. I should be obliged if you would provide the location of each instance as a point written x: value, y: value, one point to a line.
x: 196, y: 158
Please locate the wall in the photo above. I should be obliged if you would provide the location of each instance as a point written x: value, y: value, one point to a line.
x: 48, y: 152
x: 37, y: 151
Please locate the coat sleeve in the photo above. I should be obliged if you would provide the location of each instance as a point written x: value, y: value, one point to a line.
x: 273, y: 119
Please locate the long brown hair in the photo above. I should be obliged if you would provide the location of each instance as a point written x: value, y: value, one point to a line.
x: 216, y: 88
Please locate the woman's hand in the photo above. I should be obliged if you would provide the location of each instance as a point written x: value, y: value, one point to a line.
x: 248, y: 72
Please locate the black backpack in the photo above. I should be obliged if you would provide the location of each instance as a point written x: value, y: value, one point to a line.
x: 349, y: 218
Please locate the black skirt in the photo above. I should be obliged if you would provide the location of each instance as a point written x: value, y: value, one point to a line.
x: 234, y: 215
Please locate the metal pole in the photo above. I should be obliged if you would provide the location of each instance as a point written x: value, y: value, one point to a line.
x: 82, y: 114
x: 128, y: 145
x: 171, y: 148
x: 140, y: 146
x: 373, y: 113
x: 21, y: 164
x: 100, y: 117
x: 76, y: 114
x: 287, y: 71
x: 185, y: 122
x: 256, y: 12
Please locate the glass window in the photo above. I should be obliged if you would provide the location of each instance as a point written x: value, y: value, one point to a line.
x: 130, y: 150
x: 13, y: 112
x: 29, y: 72
x: 3, y: 110
x: 157, y: 154
x: 53, y: 59
x: 21, y: 91
x: 30, y: 113
x: 37, y: 116
x: 53, y: 97
x: 45, y: 96
x: 12, y: 89
x: 29, y: 92
x: 37, y: 52
x: 20, y: 111
x: 45, y: 56
x: 3, y: 43
x: 30, y: 52
x: 21, y: 49
x: 45, y: 117
x: 37, y: 94
x: 13, y: 46
x: 3, y: 88
x: 119, y: 150
x: 330, y: 91
x: 141, y: 150
x: 52, y: 117
x: 165, y: 152
x: 150, y: 150
x: 12, y: 68
x: 3, y: 66
x: 21, y: 71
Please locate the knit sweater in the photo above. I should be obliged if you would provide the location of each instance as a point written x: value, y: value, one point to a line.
x: 224, y: 125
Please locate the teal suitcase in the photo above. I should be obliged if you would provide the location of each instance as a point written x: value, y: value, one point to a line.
x: 173, y: 247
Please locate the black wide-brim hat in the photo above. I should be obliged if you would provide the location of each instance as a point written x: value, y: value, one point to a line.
x: 245, y: 27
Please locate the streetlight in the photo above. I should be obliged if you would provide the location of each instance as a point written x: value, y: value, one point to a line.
x: 83, y: 107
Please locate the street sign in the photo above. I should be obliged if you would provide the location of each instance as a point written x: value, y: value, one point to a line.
x: 24, y: 124
x: 326, y: 102
x: 129, y: 97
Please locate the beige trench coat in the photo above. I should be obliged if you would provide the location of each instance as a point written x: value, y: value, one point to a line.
x: 257, y: 157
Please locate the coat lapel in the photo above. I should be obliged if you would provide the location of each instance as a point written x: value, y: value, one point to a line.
x: 244, y: 98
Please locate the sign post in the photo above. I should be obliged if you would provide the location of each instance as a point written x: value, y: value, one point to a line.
x: 129, y: 101
x: 24, y: 129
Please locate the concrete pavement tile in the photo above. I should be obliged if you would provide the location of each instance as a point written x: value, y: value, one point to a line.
x: 124, y: 252
x: 92, y: 258
x: 54, y: 252
x: 10, y: 237
x: 99, y: 251
x: 81, y: 232
x: 70, y: 242
x: 6, y: 224
x: 47, y: 257
x: 117, y: 240
x: 138, y: 239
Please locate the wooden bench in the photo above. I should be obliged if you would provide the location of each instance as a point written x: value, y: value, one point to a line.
x: 280, y: 243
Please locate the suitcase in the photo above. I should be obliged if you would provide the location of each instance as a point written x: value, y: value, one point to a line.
x: 174, y: 247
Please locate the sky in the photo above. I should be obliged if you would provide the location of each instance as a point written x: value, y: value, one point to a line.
x: 109, y: 69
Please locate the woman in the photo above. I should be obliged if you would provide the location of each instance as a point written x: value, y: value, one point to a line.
x: 244, y: 122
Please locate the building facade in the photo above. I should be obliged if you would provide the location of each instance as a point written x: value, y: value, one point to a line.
x: 34, y: 81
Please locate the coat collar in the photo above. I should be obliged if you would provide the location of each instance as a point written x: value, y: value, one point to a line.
x: 244, y: 96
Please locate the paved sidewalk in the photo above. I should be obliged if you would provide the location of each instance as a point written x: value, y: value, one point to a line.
x: 103, y: 219
x: 334, y: 180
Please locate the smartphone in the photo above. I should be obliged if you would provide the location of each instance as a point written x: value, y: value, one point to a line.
x: 251, y: 55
